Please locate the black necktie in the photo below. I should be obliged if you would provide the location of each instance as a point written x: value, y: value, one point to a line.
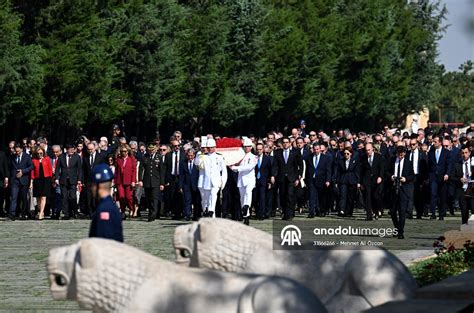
x: 176, y: 163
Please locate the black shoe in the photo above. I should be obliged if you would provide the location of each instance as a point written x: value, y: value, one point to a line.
x: 369, y: 218
x: 410, y: 216
x: 401, y: 237
x: 11, y: 217
x: 323, y: 214
x: 210, y: 214
x: 245, y: 210
x: 246, y: 221
x: 310, y: 215
x: 441, y: 218
x: 187, y: 218
x: 65, y: 218
x: 418, y: 217
x: 432, y: 217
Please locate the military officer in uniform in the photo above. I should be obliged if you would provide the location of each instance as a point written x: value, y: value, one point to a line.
x: 151, y: 176
x: 107, y: 220
x: 246, y: 179
x: 214, y: 176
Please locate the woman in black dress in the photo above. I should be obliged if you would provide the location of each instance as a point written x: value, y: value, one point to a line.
x: 41, y: 179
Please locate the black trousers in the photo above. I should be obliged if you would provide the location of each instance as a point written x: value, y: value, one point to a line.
x: 153, y: 197
x: 418, y: 198
x: 173, y: 198
x: 259, y: 198
x: 347, y: 198
x: 372, y: 193
x: 399, y: 208
x: 466, y: 202
x: 316, y: 199
x: 287, y: 197
x: 19, y: 193
x: 69, y: 198
x: 439, y: 195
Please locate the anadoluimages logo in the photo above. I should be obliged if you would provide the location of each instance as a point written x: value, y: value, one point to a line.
x: 290, y: 235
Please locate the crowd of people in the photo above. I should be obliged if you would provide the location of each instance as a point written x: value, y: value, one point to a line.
x: 424, y: 174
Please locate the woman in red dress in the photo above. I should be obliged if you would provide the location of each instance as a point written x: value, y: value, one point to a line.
x: 125, y: 179
x: 41, y: 179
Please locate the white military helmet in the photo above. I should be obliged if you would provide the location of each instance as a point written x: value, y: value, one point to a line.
x: 211, y: 143
x: 247, y: 142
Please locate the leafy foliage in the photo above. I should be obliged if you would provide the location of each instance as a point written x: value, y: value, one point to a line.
x: 218, y: 65
x: 448, y: 262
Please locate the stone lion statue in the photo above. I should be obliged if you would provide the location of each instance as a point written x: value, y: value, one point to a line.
x: 344, y: 280
x: 107, y: 276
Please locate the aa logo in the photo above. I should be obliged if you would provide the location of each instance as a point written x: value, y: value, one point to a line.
x: 290, y: 235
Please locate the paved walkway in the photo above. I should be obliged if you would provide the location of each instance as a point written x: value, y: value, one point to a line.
x: 24, y: 247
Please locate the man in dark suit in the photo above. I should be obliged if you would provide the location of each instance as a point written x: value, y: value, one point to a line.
x: 91, y: 159
x: 317, y: 177
x: 20, y: 168
x: 438, y: 168
x: 151, y: 176
x: 402, y: 176
x: 372, y: 173
x: 188, y: 181
x: 173, y: 198
x: 301, y: 190
x: 263, y: 171
x: 462, y: 177
x: 69, y: 175
x: 4, y: 174
x: 420, y: 168
x: 287, y: 170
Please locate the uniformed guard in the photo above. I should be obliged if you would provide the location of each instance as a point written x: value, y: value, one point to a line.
x: 214, y: 177
x: 107, y: 220
x: 151, y: 176
x: 246, y: 179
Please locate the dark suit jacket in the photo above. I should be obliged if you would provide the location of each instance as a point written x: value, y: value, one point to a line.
x: 457, y: 173
x: 25, y: 165
x: 265, y: 170
x: 4, y: 168
x: 293, y: 169
x: 350, y: 175
x: 73, y: 173
x: 49, y: 152
x: 169, y: 163
x: 323, y: 171
x: 407, y: 171
x: 443, y: 167
x: 87, y: 167
x: 152, y: 171
x: 187, y: 179
x: 369, y: 174
x: 422, y: 164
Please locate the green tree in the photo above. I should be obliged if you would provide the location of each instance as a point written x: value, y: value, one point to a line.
x: 457, y: 90
x: 21, y: 73
x: 82, y: 81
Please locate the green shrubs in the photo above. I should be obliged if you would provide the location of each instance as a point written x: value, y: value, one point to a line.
x: 448, y: 262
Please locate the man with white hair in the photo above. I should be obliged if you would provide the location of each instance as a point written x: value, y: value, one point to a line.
x: 213, y: 176
x: 246, y: 179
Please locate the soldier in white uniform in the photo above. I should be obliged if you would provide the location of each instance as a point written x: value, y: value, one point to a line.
x: 246, y: 179
x: 199, y: 161
x: 214, y: 176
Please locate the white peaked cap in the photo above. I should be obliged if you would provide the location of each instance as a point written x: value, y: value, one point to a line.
x: 211, y: 143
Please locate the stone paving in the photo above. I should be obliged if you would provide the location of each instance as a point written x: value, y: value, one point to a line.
x: 24, y: 247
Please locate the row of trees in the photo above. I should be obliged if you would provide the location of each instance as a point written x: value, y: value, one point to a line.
x: 76, y: 66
